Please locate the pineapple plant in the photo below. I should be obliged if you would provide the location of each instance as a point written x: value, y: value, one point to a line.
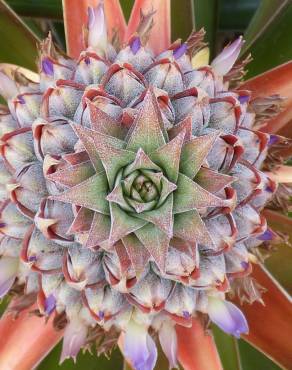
x: 133, y: 189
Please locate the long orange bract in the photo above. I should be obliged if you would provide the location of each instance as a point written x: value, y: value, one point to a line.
x: 75, y: 17
x: 160, y: 37
x: 271, y: 324
x: 25, y: 341
x: 197, y: 349
x: 276, y: 81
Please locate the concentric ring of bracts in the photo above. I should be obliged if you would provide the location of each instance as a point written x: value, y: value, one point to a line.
x: 97, y: 249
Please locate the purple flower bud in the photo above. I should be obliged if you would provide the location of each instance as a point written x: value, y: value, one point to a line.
x: 243, y: 99
x: 47, y: 67
x: 269, y: 189
x: 186, y: 314
x: 180, y: 51
x: 273, y: 140
x: 101, y: 315
x: 244, y: 264
x: 87, y: 61
x: 50, y: 304
x: 135, y: 45
x: 267, y: 235
x: 227, y: 316
x: 20, y: 99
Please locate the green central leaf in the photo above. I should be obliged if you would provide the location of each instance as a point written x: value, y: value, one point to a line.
x: 147, y: 128
x: 122, y: 223
x: 194, y: 153
x: 90, y: 193
x: 141, y: 162
x: 162, y: 217
x: 168, y: 156
x: 190, y: 195
x: 117, y: 196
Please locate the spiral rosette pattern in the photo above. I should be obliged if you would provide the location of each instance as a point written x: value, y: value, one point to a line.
x: 131, y: 190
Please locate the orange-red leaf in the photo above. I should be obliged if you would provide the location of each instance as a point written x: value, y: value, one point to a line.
x: 196, y: 348
x: 75, y: 17
x: 281, y: 174
x: 159, y: 39
x: 279, y: 221
x: 271, y: 325
x: 25, y: 341
x: 276, y: 81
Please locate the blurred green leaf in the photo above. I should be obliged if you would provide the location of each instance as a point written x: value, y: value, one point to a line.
x: 182, y: 19
x: 127, y: 7
x: 162, y: 362
x: 239, y: 355
x: 228, y: 349
x: 252, y: 359
x: 18, y: 42
x: 34, y: 26
x: 235, y: 15
x: 58, y: 33
x: 279, y: 262
x: 84, y: 361
x: 37, y: 9
x: 3, y: 305
x: 271, y: 44
x: 206, y: 15
x: 266, y: 13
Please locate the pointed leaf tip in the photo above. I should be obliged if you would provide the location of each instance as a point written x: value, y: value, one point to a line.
x: 156, y: 242
x: 195, y: 151
x: 74, y: 338
x: 97, y: 28
x: 139, y: 348
x: 168, y: 156
x: 147, y: 128
x: 223, y: 63
x: 75, y: 17
x: 122, y: 224
x: 90, y: 193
